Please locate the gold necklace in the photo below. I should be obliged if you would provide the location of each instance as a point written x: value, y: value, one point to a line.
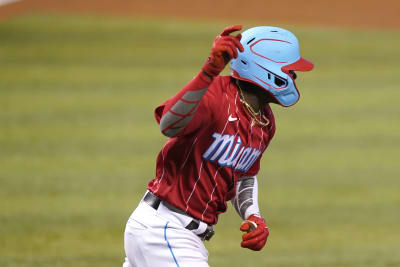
x: 251, y: 111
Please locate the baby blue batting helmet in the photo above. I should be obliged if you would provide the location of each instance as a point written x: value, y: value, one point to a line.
x: 270, y: 57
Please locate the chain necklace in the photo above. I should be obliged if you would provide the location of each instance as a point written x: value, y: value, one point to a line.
x: 250, y: 110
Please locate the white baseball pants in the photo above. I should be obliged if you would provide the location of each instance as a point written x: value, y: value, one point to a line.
x: 158, y: 238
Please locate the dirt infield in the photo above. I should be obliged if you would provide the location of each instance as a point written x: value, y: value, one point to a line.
x: 347, y: 13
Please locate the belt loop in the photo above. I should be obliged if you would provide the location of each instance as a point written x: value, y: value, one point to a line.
x: 152, y: 200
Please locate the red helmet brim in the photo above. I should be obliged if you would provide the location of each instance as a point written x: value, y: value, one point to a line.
x: 300, y: 65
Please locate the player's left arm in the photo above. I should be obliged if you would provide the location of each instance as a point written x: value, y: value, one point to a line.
x: 246, y: 205
x: 246, y: 199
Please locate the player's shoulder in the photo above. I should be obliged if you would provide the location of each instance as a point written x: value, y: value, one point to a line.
x: 270, y: 115
x: 224, y: 80
x: 221, y: 83
x: 268, y: 112
x: 218, y: 90
x: 223, y: 88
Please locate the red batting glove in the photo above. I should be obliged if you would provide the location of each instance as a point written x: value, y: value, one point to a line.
x: 224, y: 48
x: 257, y: 233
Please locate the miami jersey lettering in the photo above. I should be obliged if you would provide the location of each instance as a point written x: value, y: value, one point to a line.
x: 228, y: 151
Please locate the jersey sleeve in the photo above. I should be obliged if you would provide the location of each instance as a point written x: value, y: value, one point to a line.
x: 193, y: 107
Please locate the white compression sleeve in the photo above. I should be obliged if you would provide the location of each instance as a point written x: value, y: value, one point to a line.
x: 246, y: 198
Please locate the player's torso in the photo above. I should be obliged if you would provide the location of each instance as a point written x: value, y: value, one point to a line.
x: 199, y: 172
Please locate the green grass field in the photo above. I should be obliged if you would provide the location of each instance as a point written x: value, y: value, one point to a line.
x: 78, y: 143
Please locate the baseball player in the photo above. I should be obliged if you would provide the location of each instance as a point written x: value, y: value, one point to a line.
x: 218, y: 128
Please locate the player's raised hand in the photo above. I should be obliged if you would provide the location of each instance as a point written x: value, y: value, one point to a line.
x: 257, y: 233
x: 224, y: 48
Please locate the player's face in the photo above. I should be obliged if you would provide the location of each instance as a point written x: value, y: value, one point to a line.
x: 263, y: 95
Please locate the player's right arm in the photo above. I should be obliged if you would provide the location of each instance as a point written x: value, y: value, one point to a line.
x: 246, y: 205
x: 176, y: 115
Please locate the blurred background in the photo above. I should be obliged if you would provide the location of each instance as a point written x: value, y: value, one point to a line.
x: 78, y: 84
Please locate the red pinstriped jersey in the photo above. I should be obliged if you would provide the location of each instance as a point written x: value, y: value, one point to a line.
x: 197, y: 171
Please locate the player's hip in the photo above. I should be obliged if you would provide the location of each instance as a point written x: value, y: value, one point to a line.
x: 155, y: 213
x: 149, y: 224
x: 156, y: 238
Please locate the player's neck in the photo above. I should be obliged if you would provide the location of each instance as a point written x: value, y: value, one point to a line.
x: 256, y: 97
x: 253, y: 100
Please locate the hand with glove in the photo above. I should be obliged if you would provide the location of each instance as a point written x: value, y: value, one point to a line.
x: 257, y: 233
x: 224, y: 48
